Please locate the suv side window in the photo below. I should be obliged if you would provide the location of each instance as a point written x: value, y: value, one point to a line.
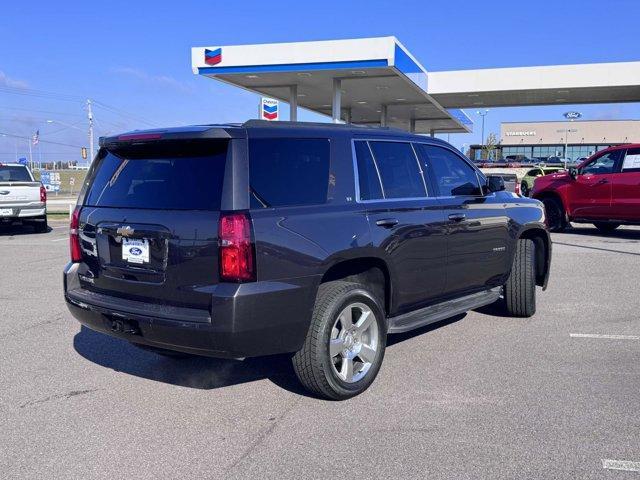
x: 631, y: 162
x: 399, y: 170
x: 288, y: 171
x: 603, y: 164
x: 452, y: 174
x: 368, y: 177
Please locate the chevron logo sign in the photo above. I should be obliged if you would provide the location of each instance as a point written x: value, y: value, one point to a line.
x: 269, y: 109
x: 212, y: 57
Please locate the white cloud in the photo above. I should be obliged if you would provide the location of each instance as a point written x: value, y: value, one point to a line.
x: 6, y: 81
x: 162, y: 80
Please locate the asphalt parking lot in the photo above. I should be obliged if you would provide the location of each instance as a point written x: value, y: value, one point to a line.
x: 477, y: 396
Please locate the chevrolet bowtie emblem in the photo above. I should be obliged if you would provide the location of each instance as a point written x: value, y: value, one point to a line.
x: 125, y: 231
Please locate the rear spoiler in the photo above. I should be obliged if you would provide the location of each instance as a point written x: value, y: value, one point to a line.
x: 181, y: 133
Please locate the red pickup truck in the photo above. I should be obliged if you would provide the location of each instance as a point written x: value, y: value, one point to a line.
x: 603, y: 190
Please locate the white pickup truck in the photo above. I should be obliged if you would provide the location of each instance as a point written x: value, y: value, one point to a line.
x: 21, y: 197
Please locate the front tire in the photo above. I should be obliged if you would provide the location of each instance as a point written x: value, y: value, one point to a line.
x: 524, y: 189
x: 606, y: 227
x: 556, y: 220
x: 520, y: 289
x: 345, y: 344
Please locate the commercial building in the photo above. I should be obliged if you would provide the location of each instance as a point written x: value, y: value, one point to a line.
x: 547, y: 139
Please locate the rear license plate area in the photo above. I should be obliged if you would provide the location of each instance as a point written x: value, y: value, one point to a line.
x: 135, y: 250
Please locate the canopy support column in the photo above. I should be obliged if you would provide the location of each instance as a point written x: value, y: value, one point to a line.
x: 337, y: 100
x: 293, y: 103
x: 432, y: 133
x: 383, y: 116
x: 412, y: 125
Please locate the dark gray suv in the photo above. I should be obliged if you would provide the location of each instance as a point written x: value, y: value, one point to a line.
x: 315, y: 240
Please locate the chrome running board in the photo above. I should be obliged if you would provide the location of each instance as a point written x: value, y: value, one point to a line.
x: 441, y: 311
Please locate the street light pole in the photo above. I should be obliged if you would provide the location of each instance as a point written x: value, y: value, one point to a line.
x: 483, y: 114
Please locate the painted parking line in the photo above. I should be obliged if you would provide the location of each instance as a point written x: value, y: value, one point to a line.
x: 60, y: 239
x: 624, y: 465
x: 610, y: 337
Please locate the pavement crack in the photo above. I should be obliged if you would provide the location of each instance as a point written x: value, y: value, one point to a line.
x: 262, y: 437
x: 61, y: 396
x: 31, y: 327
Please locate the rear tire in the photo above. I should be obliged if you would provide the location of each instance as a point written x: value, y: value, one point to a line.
x: 524, y: 189
x: 556, y: 219
x: 41, y: 226
x: 520, y: 289
x: 345, y: 344
x: 606, y: 227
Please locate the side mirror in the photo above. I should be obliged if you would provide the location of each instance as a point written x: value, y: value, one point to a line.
x: 495, y: 184
x: 573, y: 172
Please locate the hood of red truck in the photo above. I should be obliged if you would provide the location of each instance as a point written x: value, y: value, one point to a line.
x: 551, y: 182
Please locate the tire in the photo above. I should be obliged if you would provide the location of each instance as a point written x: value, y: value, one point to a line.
x: 554, y: 211
x: 327, y: 375
x: 41, y: 226
x: 524, y: 189
x: 606, y: 227
x: 520, y: 289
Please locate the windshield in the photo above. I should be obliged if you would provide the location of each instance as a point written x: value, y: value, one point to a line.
x: 166, y: 175
x: 14, y: 173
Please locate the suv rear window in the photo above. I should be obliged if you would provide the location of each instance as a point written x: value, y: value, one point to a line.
x: 288, y: 171
x: 14, y: 173
x: 184, y: 175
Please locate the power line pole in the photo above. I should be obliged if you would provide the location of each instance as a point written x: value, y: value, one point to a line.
x: 90, y: 117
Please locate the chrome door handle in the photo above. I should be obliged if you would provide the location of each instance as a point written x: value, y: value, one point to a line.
x: 387, y: 222
x: 457, y: 217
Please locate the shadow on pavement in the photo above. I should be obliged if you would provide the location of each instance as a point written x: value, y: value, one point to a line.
x: 194, y: 372
x: 203, y: 372
x: 10, y: 230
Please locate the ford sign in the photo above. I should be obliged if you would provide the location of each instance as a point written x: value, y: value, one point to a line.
x: 572, y: 115
x: 135, y: 251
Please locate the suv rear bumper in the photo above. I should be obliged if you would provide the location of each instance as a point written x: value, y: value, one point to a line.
x: 244, y: 320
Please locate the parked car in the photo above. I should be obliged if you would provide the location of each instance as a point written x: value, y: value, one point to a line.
x: 526, y: 185
x: 603, y: 190
x: 22, y: 199
x: 317, y: 240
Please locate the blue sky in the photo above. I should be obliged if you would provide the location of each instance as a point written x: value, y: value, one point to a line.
x: 134, y: 57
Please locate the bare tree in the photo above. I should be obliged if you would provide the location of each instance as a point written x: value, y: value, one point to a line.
x: 489, y: 146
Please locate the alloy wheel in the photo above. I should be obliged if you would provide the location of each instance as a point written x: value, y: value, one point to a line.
x: 354, y: 342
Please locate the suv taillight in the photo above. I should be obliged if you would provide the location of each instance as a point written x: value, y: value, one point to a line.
x: 43, y: 194
x: 236, y: 249
x: 74, y: 236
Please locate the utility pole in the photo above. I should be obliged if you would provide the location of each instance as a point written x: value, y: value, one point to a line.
x: 30, y: 152
x: 90, y: 117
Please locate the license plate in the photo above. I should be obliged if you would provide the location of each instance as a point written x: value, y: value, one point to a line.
x: 135, y: 250
x: 6, y: 212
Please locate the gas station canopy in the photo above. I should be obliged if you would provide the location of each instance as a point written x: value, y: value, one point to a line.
x: 361, y: 81
x: 377, y: 81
